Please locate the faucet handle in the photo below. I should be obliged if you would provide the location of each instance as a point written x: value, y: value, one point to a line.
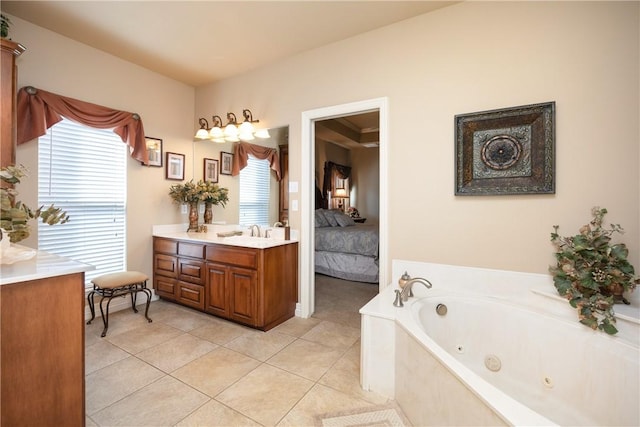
x: 402, y: 281
x: 398, y: 300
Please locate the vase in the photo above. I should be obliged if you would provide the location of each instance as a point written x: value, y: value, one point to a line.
x: 208, y: 213
x: 193, y: 217
x: 10, y: 253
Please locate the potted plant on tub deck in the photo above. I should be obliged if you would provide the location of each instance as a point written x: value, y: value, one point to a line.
x: 592, y: 272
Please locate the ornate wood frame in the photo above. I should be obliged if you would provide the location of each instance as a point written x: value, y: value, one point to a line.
x: 506, y: 151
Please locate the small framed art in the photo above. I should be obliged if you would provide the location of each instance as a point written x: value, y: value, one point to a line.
x: 211, y: 170
x: 506, y: 151
x: 225, y: 163
x: 154, y: 148
x: 175, y: 166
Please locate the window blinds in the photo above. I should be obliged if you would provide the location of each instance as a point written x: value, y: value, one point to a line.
x: 83, y: 171
x: 254, y: 192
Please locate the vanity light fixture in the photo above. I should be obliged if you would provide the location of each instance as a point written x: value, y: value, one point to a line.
x: 233, y: 132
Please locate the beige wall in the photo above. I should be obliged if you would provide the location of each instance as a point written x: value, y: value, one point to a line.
x: 60, y: 65
x: 469, y: 57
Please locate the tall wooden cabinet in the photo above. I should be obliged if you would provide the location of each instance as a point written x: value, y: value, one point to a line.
x: 8, y: 76
x: 255, y: 287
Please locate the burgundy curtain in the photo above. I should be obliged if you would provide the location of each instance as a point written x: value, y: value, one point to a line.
x: 241, y: 154
x: 330, y: 170
x: 38, y: 110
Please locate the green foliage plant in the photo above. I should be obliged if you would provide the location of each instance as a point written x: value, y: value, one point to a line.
x: 15, y: 214
x: 592, y: 272
x: 213, y: 194
x: 5, y: 23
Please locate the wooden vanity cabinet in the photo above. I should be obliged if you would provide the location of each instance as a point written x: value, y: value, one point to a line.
x: 179, y: 272
x: 255, y: 287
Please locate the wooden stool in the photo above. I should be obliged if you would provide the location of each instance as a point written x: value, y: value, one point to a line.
x: 114, y: 285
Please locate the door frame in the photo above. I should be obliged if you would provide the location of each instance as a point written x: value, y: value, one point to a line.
x: 307, y: 195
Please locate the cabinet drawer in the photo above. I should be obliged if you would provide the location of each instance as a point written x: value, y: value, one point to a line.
x: 165, y: 246
x: 165, y: 265
x: 165, y: 287
x: 243, y: 257
x: 192, y: 271
x: 191, y: 249
x: 191, y: 295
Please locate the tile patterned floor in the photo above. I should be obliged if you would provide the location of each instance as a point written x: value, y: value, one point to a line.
x: 191, y: 369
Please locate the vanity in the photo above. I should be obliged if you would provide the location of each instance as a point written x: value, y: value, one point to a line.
x: 42, y: 346
x: 248, y: 280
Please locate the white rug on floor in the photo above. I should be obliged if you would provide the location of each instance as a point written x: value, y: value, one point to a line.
x: 384, y: 415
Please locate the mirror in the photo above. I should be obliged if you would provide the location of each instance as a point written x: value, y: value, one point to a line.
x: 204, y: 151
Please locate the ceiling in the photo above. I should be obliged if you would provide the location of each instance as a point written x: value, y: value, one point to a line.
x: 354, y: 131
x: 200, y: 42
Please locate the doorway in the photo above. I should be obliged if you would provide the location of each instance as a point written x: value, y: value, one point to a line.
x: 307, y: 196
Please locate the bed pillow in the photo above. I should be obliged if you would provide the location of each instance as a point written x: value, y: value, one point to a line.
x: 344, y: 220
x: 320, y: 219
x: 330, y: 215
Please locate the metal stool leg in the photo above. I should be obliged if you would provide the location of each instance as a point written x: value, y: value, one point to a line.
x: 91, y: 306
x: 105, y: 319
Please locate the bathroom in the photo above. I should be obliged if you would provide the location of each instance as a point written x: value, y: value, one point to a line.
x: 466, y: 57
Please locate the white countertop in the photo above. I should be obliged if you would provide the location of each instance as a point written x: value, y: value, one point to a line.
x: 178, y: 232
x: 42, y: 266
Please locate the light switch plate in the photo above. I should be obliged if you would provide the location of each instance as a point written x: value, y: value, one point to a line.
x: 294, y: 205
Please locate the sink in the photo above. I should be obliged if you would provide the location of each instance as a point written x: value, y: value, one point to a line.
x: 252, y: 241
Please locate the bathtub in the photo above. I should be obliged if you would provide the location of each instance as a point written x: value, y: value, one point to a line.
x: 508, y: 351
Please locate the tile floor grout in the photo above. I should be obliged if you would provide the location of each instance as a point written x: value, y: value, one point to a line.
x: 308, y: 392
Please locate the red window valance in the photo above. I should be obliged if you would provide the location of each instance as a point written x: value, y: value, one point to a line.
x: 38, y: 110
x: 241, y: 154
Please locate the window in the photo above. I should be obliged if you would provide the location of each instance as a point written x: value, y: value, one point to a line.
x: 254, y: 192
x: 83, y: 171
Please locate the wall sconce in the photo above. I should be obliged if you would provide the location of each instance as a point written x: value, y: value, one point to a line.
x: 233, y: 132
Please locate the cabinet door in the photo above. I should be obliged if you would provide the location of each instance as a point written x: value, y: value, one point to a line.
x: 243, y: 302
x: 165, y: 286
x: 190, y: 294
x: 217, y: 298
x: 165, y: 265
x: 192, y: 271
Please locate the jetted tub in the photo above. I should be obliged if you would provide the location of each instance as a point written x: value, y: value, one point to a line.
x: 508, y: 351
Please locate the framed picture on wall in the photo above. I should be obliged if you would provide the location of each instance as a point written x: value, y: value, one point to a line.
x: 175, y: 166
x: 225, y: 163
x: 506, y: 151
x: 154, y: 148
x: 211, y: 170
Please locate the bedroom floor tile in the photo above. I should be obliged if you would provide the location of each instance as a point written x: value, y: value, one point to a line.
x: 188, y: 368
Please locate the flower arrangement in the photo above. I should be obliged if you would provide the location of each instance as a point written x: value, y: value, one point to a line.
x: 592, y: 273
x: 185, y: 193
x: 191, y: 192
x: 353, y: 212
x: 15, y: 215
x: 211, y: 193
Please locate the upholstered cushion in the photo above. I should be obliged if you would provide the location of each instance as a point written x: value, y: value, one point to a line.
x: 115, y: 280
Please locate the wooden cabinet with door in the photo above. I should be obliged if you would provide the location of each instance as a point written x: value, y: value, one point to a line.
x: 255, y: 287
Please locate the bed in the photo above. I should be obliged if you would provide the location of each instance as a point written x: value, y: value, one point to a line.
x: 345, y: 249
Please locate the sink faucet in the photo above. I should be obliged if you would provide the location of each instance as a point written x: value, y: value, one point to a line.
x: 256, y: 228
x: 406, y: 282
x: 278, y: 224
